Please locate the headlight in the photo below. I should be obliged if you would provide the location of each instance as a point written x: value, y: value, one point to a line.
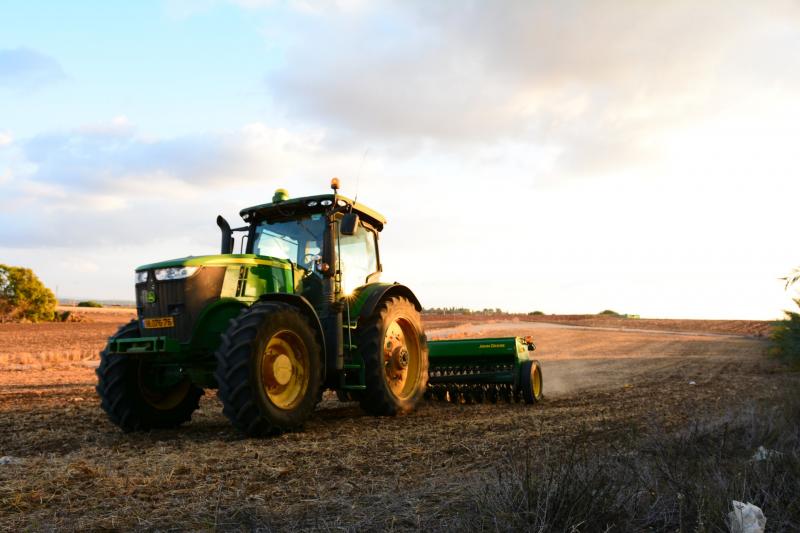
x: 141, y: 277
x: 163, y: 274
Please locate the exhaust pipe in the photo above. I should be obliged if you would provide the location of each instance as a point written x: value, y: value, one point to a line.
x: 227, y: 235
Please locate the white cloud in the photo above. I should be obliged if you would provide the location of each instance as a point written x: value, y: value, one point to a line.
x: 108, y: 177
x: 600, y: 83
x: 24, y: 69
x: 103, y: 157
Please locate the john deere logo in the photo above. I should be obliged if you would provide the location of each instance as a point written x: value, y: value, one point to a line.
x: 151, y: 297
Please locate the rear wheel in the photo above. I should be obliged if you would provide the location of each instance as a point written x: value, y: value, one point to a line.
x: 531, y: 386
x: 394, y: 349
x: 138, y: 395
x: 269, y: 369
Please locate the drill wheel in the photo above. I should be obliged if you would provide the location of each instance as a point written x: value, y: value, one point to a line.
x: 531, y: 382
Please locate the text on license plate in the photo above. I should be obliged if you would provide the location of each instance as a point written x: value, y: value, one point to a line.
x: 165, y: 322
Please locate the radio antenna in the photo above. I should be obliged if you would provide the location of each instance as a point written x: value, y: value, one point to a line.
x: 358, y: 176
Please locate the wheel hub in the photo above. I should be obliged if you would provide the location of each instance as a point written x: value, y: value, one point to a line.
x: 401, y: 358
x: 400, y: 355
x: 282, y: 369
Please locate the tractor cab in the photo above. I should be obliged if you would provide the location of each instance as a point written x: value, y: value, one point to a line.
x: 323, y: 237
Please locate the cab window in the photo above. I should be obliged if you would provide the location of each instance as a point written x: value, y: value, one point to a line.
x: 357, y: 258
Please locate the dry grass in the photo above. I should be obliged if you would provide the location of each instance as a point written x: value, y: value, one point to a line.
x: 39, y: 345
x: 683, y: 481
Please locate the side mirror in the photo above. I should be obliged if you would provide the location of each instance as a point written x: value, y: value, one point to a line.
x: 349, y: 224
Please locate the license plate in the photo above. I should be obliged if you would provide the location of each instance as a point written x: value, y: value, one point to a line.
x: 165, y: 322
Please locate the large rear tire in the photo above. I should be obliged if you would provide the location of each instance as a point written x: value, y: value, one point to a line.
x: 132, y: 403
x: 269, y: 369
x: 394, y: 349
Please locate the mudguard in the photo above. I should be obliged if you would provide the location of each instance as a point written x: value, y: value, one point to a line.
x: 369, y: 296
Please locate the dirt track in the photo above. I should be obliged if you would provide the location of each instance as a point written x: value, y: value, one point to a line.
x: 349, y: 470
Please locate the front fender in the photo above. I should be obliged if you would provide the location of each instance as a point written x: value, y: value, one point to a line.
x: 368, y: 297
x: 213, y: 322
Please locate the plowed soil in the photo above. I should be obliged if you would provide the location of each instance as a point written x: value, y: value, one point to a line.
x: 69, y: 468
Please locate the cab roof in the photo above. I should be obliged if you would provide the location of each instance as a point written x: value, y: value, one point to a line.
x: 294, y: 207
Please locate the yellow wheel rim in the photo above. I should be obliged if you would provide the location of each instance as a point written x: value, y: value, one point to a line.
x: 401, y: 357
x: 285, y: 366
x: 536, y: 378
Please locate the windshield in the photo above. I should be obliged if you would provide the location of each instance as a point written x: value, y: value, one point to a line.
x: 299, y: 241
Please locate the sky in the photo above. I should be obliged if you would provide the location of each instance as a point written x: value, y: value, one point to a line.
x: 566, y: 156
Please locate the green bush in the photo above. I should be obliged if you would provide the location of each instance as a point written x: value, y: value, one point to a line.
x: 535, y: 313
x: 23, y: 296
x: 608, y: 312
x: 786, y: 333
x: 786, y: 338
x: 90, y: 303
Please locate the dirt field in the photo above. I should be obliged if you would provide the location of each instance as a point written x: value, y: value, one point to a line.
x: 751, y: 328
x: 73, y: 470
x: 35, y: 344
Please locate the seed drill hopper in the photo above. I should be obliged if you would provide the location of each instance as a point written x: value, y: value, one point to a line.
x: 484, y: 370
x: 298, y: 310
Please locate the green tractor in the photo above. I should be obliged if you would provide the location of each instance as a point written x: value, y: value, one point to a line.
x: 300, y: 309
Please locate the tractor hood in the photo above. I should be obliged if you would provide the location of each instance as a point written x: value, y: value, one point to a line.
x: 218, y: 260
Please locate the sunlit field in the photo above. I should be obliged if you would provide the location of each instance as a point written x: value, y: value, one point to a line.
x: 613, y: 397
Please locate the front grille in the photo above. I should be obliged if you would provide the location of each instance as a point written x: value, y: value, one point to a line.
x: 170, y: 300
x: 182, y: 299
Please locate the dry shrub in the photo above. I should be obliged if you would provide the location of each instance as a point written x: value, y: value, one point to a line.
x: 673, y: 482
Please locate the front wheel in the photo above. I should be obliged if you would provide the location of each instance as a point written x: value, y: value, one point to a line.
x: 394, y: 349
x: 138, y: 395
x: 269, y: 369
